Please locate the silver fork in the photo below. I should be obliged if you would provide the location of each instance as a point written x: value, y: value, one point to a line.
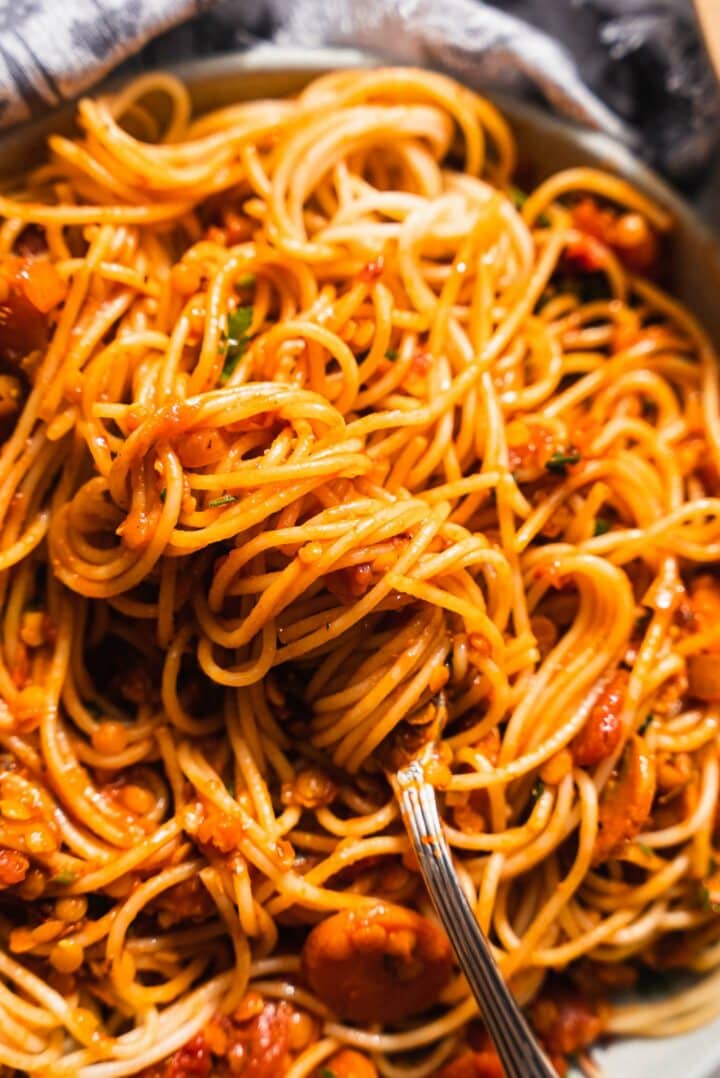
x: 519, y: 1052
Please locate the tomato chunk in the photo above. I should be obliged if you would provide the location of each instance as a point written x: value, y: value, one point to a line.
x: 601, y: 734
x: 29, y: 290
x: 566, y: 1021
x: 268, y: 1042
x: 377, y: 965
x: 253, y: 1042
x: 191, y: 1061
x: 13, y: 867
x: 626, y: 801
x: 350, y: 1064
x: 42, y: 284
x: 484, y: 1064
x: 628, y: 234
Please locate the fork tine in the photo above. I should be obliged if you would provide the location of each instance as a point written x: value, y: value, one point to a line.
x: 518, y: 1050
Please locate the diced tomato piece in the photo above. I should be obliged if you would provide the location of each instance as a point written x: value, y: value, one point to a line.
x: 13, y: 867
x: 628, y: 235
x: 350, y: 1064
x: 29, y: 290
x: 602, y: 731
x: 627, y: 800
x: 585, y: 254
x: 566, y: 1021
x: 473, y: 1065
x: 350, y: 583
x: 42, y: 284
x: 193, y: 1060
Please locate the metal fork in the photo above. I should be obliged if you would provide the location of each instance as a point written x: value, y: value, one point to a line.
x: 519, y: 1052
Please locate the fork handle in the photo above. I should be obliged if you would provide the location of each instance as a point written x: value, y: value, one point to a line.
x: 519, y: 1052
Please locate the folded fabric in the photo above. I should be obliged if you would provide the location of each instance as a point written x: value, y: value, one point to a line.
x: 634, y: 68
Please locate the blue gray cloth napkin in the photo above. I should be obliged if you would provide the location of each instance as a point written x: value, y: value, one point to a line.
x: 634, y: 68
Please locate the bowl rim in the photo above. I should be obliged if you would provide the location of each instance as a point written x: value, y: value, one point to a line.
x: 271, y: 58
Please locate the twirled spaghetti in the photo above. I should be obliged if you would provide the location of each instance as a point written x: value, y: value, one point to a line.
x: 316, y: 430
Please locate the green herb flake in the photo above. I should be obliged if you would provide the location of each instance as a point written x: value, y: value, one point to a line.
x: 517, y: 196
x: 558, y: 462
x: 238, y: 323
x: 538, y: 789
x: 391, y: 354
x: 236, y: 339
x: 230, y: 364
x: 643, y: 728
x: 163, y: 495
x: 645, y: 849
x: 325, y: 1072
x: 64, y: 877
x: 225, y: 499
x: 602, y: 526
x: 707, y: 903
x: 246, y: 281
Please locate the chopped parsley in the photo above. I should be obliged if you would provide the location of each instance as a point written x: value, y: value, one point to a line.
x: 642, y: 729
x: 246, y: 281
x: 236, y: 339
x: 644, y: 849
x: 163, y: 494
x: 517, y: 196
x: 64, y: 877
x: 602, y: 526
x: 325, y: 1072
x: 707, y: 902
x: 224, y: 499
x: 558, y: 462
x: 538, y: 789
x: 391, y: 353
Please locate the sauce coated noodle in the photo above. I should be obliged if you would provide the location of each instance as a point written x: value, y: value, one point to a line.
x: 316, y: 431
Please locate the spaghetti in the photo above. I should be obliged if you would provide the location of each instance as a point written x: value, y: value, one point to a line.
x: 315, y: 430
